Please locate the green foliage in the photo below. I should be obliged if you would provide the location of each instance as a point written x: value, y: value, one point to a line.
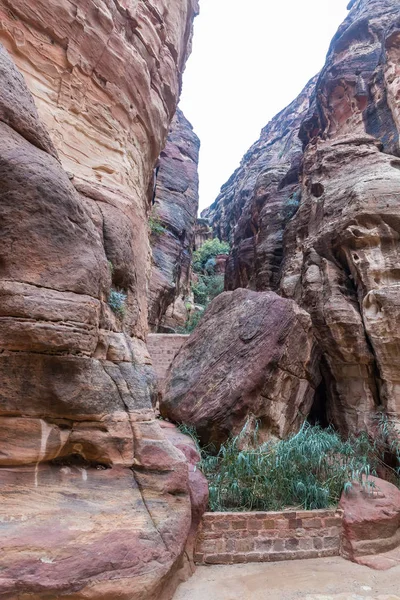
x: 191, y: 432
x: 209, y: 250
x: 193, y: 320
x: 207, y: 288
x: 308, y: 470
x: 116, y: 301
x: 111, y: 267
x: 292, y: 204
x: 155, y: 226
x: 208, y: 285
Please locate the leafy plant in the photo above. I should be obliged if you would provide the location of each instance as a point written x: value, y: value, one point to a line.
x: 209, y: 250
x: 192, y: 321
x: 155, y: 225
x: 111, y: 267
x: 310, y: 469
x: 207, y: 288
x: 116, y: 301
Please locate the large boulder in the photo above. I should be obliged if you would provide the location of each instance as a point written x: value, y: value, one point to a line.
x: 371, y: 524
x: 252, y: 353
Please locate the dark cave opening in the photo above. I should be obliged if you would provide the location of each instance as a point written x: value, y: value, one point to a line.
x: 319, y: 413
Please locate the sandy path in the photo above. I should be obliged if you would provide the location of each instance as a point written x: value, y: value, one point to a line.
x: 319, y: 579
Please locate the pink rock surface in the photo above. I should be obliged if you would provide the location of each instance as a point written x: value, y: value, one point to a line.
x: 371, y: 525
x: 252, y: 353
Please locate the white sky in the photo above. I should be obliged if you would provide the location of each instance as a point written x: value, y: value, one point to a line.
x: 250, y: 59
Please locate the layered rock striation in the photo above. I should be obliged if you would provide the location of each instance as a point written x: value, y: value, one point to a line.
x: 173, y: 221
x: 95, y: 502
x: 324, y: 229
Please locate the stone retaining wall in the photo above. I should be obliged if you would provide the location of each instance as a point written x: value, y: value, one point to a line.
x: 163, y: 348
x: 226, y: 538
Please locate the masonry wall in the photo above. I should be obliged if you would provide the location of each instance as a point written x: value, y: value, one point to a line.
x: 226, y: 538
x: 162, y: 349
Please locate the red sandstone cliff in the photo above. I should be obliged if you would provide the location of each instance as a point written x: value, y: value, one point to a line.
x: 313, y: 213
x: 94, y: 500
x: 174, y: 217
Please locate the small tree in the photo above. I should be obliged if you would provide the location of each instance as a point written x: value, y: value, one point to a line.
x: 208, y: 251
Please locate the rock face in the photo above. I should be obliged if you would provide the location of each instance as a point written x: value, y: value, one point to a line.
x: 94, y: 501
x: 198, y: 484
x: 324, y: 230
x: 203, y: 232
x: 259, y: 199
x: 252, y: 353
x: 174, y: 216
x: 371, y: 525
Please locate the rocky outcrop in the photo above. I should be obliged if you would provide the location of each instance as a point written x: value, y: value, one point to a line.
x: 173, y: 220
x: 334, y: 248
x: 259, y: 199
x: 371, y: 524
x: 198, y: 484
x: 252, y: 353
x: 202, y: 233
x: 95, y: 502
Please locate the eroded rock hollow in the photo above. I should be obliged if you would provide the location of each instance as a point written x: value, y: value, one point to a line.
x: 313, y: 214
x: 94, y: 500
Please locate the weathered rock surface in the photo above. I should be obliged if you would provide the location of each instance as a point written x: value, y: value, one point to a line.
x: 324, y: 230
x: 175, y: 209
x: 198, y: 484
x: 94, y: 501
x: 371, y: 525
x: 202, y: 233
x: 105, y: 77
x: 256, y: 203
x: 252, y: 353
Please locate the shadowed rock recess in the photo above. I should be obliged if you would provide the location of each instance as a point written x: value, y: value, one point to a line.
x: 313, y: 213
x: 94, y: 500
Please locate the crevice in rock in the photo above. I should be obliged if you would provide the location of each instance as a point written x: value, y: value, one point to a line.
x: 319, y: 410
x: 375, y: 374
x: 139, y: 487
x: 77, y: 460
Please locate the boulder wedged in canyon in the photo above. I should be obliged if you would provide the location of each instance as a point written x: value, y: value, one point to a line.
x: 371, y: 524
x: 313, y: 214
x: 252, y: 353
x: 174, y: 217
x: 94, y: 500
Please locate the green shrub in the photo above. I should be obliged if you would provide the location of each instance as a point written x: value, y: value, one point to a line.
x: 308, y: 470
x: 192, y: 321
x: 155, y: 225
x: 116, y: 301
x: 209, y: 250
x: 207, y: 288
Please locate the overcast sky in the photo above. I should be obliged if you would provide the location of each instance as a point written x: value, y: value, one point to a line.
x: 250, y: 59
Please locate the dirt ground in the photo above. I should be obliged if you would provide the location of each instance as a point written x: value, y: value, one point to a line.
x: 319, y: 579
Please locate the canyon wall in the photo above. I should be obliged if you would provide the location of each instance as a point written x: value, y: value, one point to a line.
x: 172, y: 223
x: 95, y: 501
x: 313, y: 213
